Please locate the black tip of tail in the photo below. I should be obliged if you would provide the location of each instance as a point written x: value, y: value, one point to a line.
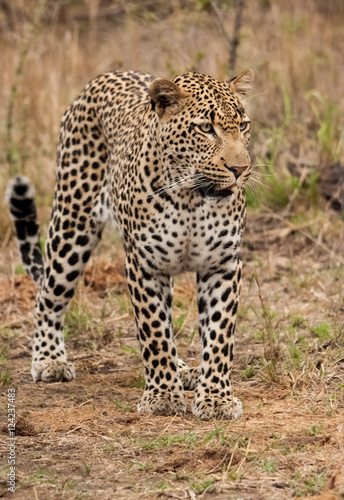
x: 20, y: 196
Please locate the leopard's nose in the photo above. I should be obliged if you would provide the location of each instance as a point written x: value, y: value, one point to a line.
x: 237, y: 171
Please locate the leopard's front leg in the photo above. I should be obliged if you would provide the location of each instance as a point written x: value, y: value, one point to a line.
x: 218, y: 295
x: 152, y: 299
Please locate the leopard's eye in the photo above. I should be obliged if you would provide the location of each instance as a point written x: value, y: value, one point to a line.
x: 243, y: 126
x: 207, y: 128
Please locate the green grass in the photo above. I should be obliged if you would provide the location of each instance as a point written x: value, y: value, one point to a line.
x: 327, y: 115
x: 87, y: 467
x: 19, y: 269
x: 77, y: 322
x: 34, y: 454
x: 109, y: 448
x: 138, y: 383
x: 4, y: 354
x: 205, y: 486
x: 307, y: 485
x: 189, y: 439
x: 124, y: 303
x: 269, y: 335
x: 322, y: 331
x: 219, y: 435
x: 178, y: 322
x: 296, y: 354
x: 249, y: 372
x: 71, y: 484
x: 126, y: 407
x: 299, y: 322
x: 315, y: 430
x: 139, y: 466
x: 276, y: 184
x: 130, y: 350
x: 162, y: 486
x: 269, y: 465
x: 5, y: 377
x: 41, y: 475
x: 8, y: 334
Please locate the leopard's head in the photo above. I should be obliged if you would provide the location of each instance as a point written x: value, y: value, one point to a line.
x: 204, y: 132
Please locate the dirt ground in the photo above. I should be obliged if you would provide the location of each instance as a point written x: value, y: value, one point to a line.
x: 85, y: 438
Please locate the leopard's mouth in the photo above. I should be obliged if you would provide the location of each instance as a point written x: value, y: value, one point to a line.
x: 210, y: 190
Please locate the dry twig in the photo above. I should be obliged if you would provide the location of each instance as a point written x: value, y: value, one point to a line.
x: 232, y: 42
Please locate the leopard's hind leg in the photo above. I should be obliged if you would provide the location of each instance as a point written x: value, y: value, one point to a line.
x: 74, y: 231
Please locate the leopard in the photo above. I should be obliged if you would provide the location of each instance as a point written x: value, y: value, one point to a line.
x: 166, y: 161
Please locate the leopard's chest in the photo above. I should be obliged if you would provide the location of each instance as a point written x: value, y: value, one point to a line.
x: 196, y: 235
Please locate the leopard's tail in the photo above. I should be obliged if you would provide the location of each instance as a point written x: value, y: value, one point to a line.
x: 20, y: 196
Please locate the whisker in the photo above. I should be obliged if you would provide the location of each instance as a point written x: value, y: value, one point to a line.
x: 255, y: 95
x: 258, y: 172
x: 184, y: 182
x: 254, y: 183
x: 256, y: 177
x: 257, y: 181
x: 261, y: 165
x: 253, y: 188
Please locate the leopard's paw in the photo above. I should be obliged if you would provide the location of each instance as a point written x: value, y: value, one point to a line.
x: 52, y: 371
x: 162, y: 402
x: 217, y: 408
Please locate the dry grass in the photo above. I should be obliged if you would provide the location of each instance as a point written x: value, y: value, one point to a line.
x: 85, y: 439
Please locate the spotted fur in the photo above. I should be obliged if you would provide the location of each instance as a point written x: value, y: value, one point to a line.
x: 167, y: 162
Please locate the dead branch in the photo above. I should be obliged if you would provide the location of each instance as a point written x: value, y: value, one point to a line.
x: 232, y: 42
x: 236, y: 36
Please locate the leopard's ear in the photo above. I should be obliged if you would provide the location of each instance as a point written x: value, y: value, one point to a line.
x: 243, y: 83
x: 166, y: 97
